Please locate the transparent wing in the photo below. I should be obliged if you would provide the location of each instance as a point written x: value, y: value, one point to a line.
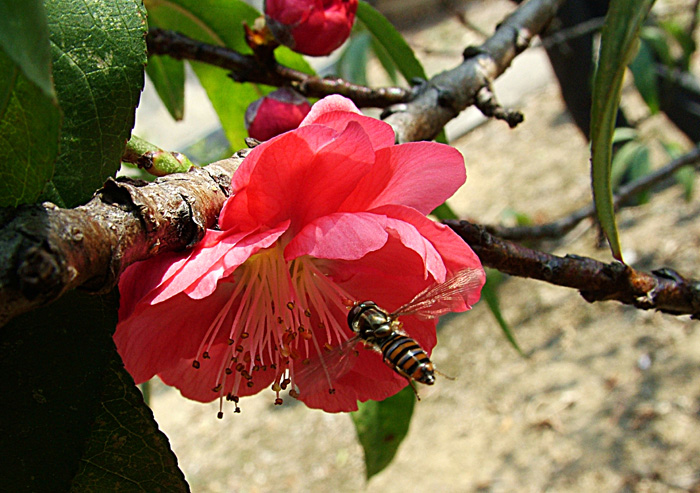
x: 437, y: 300
x: 325, y: 368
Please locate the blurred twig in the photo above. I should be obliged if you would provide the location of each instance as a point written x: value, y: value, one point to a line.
x: 560, y: 227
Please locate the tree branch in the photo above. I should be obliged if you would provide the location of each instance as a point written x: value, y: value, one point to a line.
x: 560, y: 227
x: 451, y: 92
x: 249, y: 68
x: 663, y: 290
x: 46, y: 251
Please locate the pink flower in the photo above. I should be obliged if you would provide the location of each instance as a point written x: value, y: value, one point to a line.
x: 330, y: 212
x: 279, y: 111
x: 311, y: 27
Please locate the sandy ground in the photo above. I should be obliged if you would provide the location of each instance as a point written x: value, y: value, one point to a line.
x: 608, y: 398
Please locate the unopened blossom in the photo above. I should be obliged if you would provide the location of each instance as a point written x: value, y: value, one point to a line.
x: 319, y: 217
x: 311, y: 27
x: 276, y: 113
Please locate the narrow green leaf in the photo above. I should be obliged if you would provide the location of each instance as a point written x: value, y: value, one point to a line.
x: 644, y: 72
x: 640, y: 167
x: 489, y: 293
x: 684, y: 176
x: 618, y: 45
x: 382, y: 426
x: 622, y: 160
x: 352, y: 64
x: 29, y: 135
x: 220, y: 22
x: 385, y: 60
x: 387, y: 35
x: 99, y: 52
x: 168, y: 77
x: 24, y: 37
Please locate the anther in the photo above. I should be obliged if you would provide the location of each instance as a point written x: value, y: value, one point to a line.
x: 278, y: 402
x: 195, y: 364
x: 331, y: 391
x: 240, y: 348
x: 276, y: 387
x: 239, y: 367
x: 220, y: 415
x: 206, y: 355
x: 290, y: 305
x: 217, y: 388
x: 244, y: 335
x: 250, y: 383
x: 307, y: 312
x: 230, y: 342
x: 228, y: 371
x: 294, y: 393
x: 306, y: 361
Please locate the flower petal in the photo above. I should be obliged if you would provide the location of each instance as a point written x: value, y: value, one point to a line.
x: 421, y: 175
x: 339, y: 236
x: 337, y: 111
x: 299, y: 175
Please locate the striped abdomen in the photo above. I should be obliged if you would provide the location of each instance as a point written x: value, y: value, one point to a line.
x: 407, y: 358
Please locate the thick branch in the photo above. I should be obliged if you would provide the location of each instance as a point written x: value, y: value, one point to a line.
x: 248, y: 68
x: 559, y: 228
x: 663, y: 290
x: 450, y: 92
x: 46, y: 250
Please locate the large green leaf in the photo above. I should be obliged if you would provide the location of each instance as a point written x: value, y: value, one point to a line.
x: 220, y: 22
x: 69, y: 407
x: 382, y: 426
x: 29, y: 133
x: 618, y: 46
x: 99, y: 52
x: 387, y: 35
x: 24, y: 37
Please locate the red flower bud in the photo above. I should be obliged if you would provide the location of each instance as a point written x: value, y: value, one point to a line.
x: 311, y: 27
x: 275, y: 113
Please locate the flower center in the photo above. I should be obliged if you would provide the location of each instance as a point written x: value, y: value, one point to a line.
x: 279, y: 315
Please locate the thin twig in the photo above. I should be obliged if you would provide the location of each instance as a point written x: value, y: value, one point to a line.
x: 560, y: 227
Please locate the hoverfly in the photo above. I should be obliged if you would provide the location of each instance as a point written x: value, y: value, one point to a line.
x: 382, y: 332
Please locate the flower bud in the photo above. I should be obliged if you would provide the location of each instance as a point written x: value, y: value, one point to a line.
x: 311, y: 27
x: 275, y: 113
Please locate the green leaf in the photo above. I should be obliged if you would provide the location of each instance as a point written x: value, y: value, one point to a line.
x: 618, y: 45
x: 125, y: 449
x: 444, y: 211
x: 387, y: 35
x: 644, y: 72
x: 99, y: 51
x: 622, y: 160
x: 168, y: 77
x: 684, y: 39
x: 69, y: 407
x: 489, y: 293
x: 385, y: 59
x: 220, y: 22
x: 352, y: 64
x: 382, y: 426
x: 29, y: 135
x: 24, y: 37
x: 684, y: 176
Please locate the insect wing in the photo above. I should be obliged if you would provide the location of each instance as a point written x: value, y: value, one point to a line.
x: 325, y: 368
x: 437, y: 300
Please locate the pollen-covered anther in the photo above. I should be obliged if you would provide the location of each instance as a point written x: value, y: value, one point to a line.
x: 290, y: 305
x: 230, y: 342
x: 278, y: 401
x: 239, y: 348
x: 293, y: 393
x: 205, y: 355
x: 228, y: 371
x: 276, y: 387
x: 307, y: 312
x: 195, y: 364
x: 245, y: 335
x: 250, y: 383
x: 217, y: 388
x: 220, y: 415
